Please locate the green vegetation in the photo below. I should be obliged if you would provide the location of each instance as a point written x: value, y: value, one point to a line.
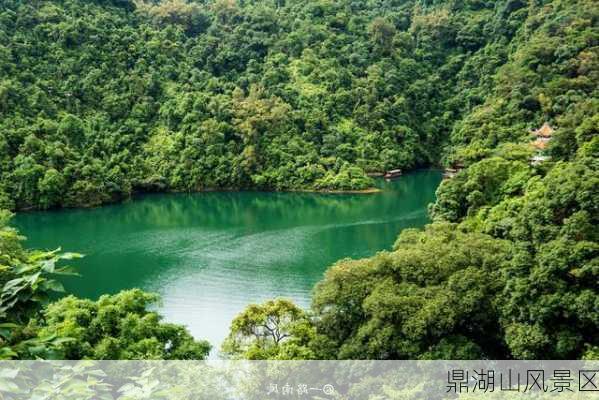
x: 114, y: 327
x: 100, y: 99
x: 118, y: 327
x: 509, y: 267
x: 278, y: 329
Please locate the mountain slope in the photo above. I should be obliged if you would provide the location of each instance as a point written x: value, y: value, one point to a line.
x: 100, y: 99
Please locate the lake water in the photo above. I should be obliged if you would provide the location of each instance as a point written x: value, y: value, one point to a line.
x: 210, y: 254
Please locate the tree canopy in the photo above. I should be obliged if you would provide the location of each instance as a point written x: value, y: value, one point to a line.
x: 103, y: 99
x: 509, y: 266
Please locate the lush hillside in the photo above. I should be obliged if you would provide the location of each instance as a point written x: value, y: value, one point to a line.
x: 99, y: 99
x: 510, y: 266
x: 102, y: 99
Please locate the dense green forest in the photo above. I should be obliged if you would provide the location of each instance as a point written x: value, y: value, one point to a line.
x: 102, y: 99
x: 509, y: 268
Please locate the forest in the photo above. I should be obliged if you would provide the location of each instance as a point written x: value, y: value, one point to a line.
x: 101, y: 100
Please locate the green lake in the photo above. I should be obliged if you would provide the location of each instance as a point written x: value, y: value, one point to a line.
x: 210, y: 254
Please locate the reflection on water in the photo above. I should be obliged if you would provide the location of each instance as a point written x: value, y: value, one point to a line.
x: 210, y: 254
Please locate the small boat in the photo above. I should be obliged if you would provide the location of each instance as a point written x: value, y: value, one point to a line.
x: 452, y: 171
x: 448, y: 174
x: 394, y: 173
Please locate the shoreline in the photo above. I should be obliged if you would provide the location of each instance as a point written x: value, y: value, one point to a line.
x: 372, y: 190
x: 136, y: 194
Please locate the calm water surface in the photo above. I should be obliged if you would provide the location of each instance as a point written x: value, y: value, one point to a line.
x: 210, y: 254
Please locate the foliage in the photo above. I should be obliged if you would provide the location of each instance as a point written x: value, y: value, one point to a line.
x: 101, y: 99
x: 114, y: 327
x: 432, y: 297
x: 277, y: 329
x: 509, y: 266
x: 484, y: 183
x: 93, y: 380
x: 117, y: 327
x: 27, y: 281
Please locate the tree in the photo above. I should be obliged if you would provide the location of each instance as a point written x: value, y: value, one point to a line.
x: 178, y: 12
x: 117, y: 327
x: 275, y: 329
x: 382, y: 33
x: 432, y: 295
x: 27, y: 280
x: 51, y: 188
